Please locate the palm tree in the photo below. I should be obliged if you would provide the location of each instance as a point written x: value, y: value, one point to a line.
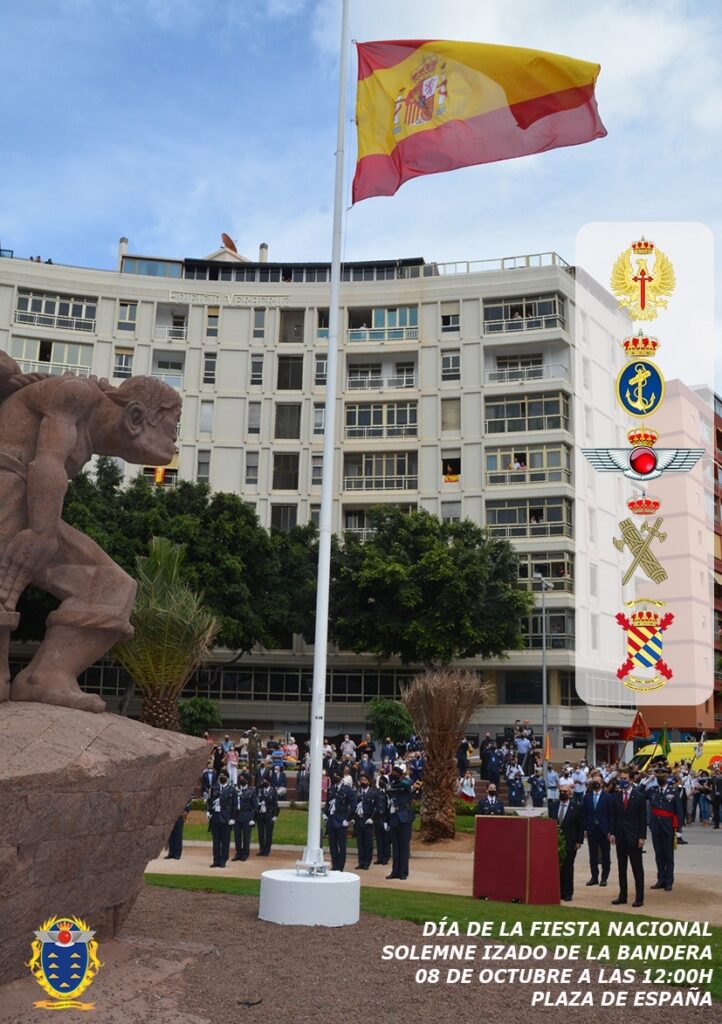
x: 173, y: 634
x: 441, y: 705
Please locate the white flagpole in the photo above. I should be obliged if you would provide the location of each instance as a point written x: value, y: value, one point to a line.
x: 312, y: 859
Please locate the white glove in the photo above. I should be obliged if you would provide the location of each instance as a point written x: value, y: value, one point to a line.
x: 386, y: 826
x: 369, y: 821
x: 344, y: 823
x: 208, y: 815
x: 324, y: 816
x: 232, y: 821
x: 273, y: 819
x: 251, y: 823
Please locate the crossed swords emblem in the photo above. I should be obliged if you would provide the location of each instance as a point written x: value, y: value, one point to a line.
x: 640, y: 545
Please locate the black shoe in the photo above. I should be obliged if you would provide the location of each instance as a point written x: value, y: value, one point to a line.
x: 259, y: 853
x: 214, y: 865
x: 393, y: 875
x: 236, y: 858
x: 593, y: 881
x: 682, y: 842
x: 566, y: 899
x: 378, y: 862
x: 169, y: 856
x: 618, y: 902
x: 638, y: 903
x: 403, y: 877
x: 177, y: 858
x: 241, y: 858
x: 668, y: 888
x: 657, y: 885
x: 359, y: 867
x: 603, y: 881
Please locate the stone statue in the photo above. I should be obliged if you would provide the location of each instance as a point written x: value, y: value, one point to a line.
x: 49, y: 429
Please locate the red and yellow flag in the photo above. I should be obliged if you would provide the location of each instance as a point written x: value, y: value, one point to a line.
x: 430, y: 105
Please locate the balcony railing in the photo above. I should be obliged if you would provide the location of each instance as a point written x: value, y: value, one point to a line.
x: 380, y: 483
x: 404, y: 380
x: 54, y: 369
x: 383, y: 334
x: 362, y: 533
x: 555, y: 642
x: 520, y: 424
x: 529, y: 531
x: 175, y: 380
x: 563, y: 584
x: 524, y: 323
x: 519, y: 375
x: 66, y: 323
x: 164, y: 332
x: 536, y: 259
x: 511, y: 477
x: 406, y: 430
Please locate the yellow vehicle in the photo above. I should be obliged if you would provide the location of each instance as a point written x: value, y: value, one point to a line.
x: 650, y: 755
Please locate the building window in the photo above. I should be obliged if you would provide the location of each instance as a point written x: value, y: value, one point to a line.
x: 251, y: 468
x: 212, y: 318
x: 450, y: 317
x: 451, y: 365
x: 290, y: 373
x: 548, y: 411
x: 393, y: 323
x: 559, y: 629
x: 317, y: 469
x: 283, y: 517
x: 592, y: 524
x: 569, y: 696
x: 451, y: 511
x: 123, y: 362
x: 71, y: 312
x: 390, y: 471
x: 392, y: 419
x: 127, y: 315
x: 254, y: 417
x: 528, y: 464
x: 292, y: 323
x: 259, y: 323
x: 528, y: 313
x: 320, y: 369
x: 557, y: 567
x: 319, y: 418
x: 203, y: 466
x: 451, y: 469
x: 594, y: 631
x: 316, y: 515
x: 288, y: 421
x: 530, y: 517
x: 586, y: 373
x: 256, y: 371
x: 523, y: 687
x: 450, y: 415
x: 206, y: 418
x: 322, y: 323
x: 285, y: 471
x: 593, y: 580
x: 209, y: 367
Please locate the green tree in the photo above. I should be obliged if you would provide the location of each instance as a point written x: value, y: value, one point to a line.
x: 173, y: 633
x: 427, y: 591
x: 389, y: 718
x: 198, y: 714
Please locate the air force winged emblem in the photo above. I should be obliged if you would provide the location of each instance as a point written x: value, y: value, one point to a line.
x: 64, y: 962
x: 641, y: 291
x: 642, y: 464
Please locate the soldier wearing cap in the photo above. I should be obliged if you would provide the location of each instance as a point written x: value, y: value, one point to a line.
x: 220, y: 808
x: 381, y: 822
x: 245, y: 814
x: 175, y: 840
x: 340, y: 803
x: 666, y: 811
x: 401, y: 817
x: 266, y: 815
x: 366, y: 804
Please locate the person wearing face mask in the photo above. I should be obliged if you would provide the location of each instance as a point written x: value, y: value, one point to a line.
x: 490, y: 804
x: 665, y: 808
x: 629, y: 832
x: 597, y: 815
x: 366, y: 807
x: 570, y: 819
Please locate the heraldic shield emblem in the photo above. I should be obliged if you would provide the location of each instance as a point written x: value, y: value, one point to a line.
x: 64, y: 962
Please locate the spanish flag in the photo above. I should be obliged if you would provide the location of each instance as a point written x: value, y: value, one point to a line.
x: 430, y: 105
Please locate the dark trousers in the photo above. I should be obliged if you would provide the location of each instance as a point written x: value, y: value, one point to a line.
x: 599, y: 848
x: 221, y: 842
x: 401, y: 848
x: 337, y: 846
x: 633, y: 854
x: 716, y: 801
x: 242, y: 833
x: 265, y: 834
x: 175, y: 840
x: 663, y: 843
x: 566, y: 874
x: 383, y: 843
x: 365, y: 843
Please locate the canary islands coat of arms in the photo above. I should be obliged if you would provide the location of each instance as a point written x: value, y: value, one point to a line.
x: 64, y: 962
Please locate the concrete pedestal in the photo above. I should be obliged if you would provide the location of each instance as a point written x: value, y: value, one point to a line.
x: 330, y: 900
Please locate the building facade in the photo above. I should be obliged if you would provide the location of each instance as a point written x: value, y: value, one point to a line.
x: 462, y: 389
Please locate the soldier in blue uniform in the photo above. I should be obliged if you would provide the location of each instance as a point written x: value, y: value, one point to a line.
x: 266, y: 815
x: 366, y: 804
x: 175, y: 840
x: 382, y: 829
x: 538, y: 788
x: 401, y: 817
x: 245, y: 814
x: 517, y: 797
x: 666, y: 811
x: 220, y: 808
x: 340, y: 803
x: 490, y: 804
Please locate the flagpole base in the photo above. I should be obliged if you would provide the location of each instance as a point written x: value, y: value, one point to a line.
x: 330, y: 901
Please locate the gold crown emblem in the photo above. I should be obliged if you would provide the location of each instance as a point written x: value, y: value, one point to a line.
x: 640, y: 345
x: 644, y: 506
x: 645, y: 618
x: 426, y: 67
x: 642, y: 247
x: 642, y: 437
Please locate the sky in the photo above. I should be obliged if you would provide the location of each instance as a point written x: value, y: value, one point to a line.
x: 170, y: 121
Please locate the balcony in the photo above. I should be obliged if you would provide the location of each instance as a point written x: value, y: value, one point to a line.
x: 530, y: 531
x: 524, y: 323
x: 65, y: 323
x: 404, y: 380
x: 554, y: 642
x: 517, y: 425
x: 53, y: 369
x: 166, y: 332
x: 522, y: 375
x: 361, y: 433
x: 380, y: 483
x: 507, y: 478
x: 382, y: 334
x: 361, y: 533
x: 562, y: 585
x: 175, y: 380
x: 537, y: 259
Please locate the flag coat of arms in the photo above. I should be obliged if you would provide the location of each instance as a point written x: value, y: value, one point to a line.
x: 64, y: 962
x: 430, y: 105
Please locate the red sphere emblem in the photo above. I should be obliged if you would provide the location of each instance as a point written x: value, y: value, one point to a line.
x: 643, y: 461
x: 64, y: 936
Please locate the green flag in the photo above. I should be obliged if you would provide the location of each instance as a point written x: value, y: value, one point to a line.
x: 664, y: 745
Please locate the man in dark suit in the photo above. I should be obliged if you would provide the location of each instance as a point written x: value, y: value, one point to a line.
x: 208, y: 777
x: 570, y: 818
x: 629, y: 831
x: 490, y: 804
x: 597, y: 807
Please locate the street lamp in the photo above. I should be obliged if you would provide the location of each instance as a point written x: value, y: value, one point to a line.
x: 545, y: 585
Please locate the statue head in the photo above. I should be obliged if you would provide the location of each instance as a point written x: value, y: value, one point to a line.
x: 148, y: 422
